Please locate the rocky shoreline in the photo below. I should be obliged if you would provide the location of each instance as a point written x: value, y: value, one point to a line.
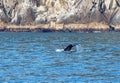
x: 59, y: 15
x: 52, y: 27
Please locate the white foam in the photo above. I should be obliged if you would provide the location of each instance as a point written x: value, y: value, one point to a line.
x: 59, y: 50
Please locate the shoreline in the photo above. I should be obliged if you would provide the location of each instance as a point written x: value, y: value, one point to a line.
x: 52, y: 27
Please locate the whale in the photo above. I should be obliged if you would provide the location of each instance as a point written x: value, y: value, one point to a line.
x: 69, y: 47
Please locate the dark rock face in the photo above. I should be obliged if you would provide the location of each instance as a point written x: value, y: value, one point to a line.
x: 3, y: 16
x: 3, y: 29
x: 111, y: 28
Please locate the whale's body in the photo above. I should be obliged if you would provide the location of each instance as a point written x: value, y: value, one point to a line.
x: 69, y: 47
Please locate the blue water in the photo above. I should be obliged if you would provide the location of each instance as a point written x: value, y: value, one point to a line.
x: 32, y: 58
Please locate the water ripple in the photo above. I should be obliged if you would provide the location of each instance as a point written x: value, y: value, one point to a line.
x: 31, y: 58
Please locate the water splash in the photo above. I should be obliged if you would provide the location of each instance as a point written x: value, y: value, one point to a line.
x: 78, y: 48
x: 59, y: 50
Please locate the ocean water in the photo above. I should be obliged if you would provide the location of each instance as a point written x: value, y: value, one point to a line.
x: 39, y: 57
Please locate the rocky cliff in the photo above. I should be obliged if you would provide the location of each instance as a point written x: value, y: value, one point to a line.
x: 26, y: 12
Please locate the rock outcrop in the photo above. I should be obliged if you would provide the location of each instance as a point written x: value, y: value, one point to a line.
x: 25, y: 12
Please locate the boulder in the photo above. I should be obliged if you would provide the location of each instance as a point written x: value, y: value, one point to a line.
x: 24, y: 15
x: 41, y: 19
